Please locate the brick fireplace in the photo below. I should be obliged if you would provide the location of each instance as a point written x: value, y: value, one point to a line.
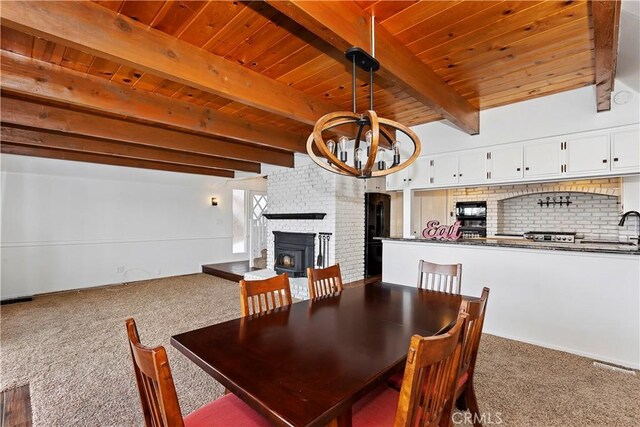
x: 306, y: 189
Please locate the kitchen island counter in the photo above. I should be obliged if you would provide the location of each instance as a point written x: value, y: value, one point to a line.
x: 566, y: 296
x: 607, y: 248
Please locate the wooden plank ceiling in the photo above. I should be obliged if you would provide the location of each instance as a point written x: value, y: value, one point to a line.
x: 275, y: 77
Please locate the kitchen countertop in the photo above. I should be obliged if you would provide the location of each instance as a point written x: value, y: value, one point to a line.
x: 607, y: 248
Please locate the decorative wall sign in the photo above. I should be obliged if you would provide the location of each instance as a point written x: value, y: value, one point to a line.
x: 442, y: 232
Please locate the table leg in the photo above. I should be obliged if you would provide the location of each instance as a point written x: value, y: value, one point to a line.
x: 343, y: 420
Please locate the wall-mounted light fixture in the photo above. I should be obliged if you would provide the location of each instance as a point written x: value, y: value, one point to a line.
x: 214, y: 201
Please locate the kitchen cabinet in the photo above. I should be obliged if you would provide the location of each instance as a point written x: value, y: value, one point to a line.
x: 375, y: 185
x: 444, y: 170
x: 415, y: 175
x: 505, y: 163
x: 398, y: 181
x: 608, y: 152
x: 472, y: 167
x: 420, y: 172
x: 586, y: 154
x: 542, y: 158
x: 630, y: 194
x: 625, y: 150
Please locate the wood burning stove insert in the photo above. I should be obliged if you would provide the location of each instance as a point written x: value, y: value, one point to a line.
x: 293, y: 253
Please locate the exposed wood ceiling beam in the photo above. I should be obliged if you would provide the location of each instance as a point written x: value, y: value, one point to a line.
x: 42, y: 139
x: 34, y: 115
x: 51, y: 153
x: 26, y: 76
x: 94, y: 29
x: 606, y: 21
x: 348, y: 25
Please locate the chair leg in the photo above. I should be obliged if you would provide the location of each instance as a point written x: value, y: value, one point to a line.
x: 461, y: 401
x: 472, y: 404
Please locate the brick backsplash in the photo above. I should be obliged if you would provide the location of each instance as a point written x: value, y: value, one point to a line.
x: 594, y: 212
x: 309, y: 188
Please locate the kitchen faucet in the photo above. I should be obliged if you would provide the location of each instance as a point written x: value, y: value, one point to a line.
x: 624, y: 218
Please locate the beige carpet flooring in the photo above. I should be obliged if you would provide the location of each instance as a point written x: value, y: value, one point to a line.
x: 72, y: 350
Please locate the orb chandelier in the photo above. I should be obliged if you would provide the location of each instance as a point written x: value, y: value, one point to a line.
x: 377, y: 150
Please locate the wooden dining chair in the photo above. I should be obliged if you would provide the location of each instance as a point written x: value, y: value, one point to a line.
x: 440, y: 277
x: 324, y: 281
x: 428, y: 388
x: 465, y: 393
x: 159, y: 400
x: 259, y: 296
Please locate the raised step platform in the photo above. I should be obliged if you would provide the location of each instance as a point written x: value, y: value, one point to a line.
x: 233, y: 271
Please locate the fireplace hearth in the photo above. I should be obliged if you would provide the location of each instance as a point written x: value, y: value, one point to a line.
x: 293, y: 253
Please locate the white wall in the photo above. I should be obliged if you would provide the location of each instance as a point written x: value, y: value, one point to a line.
x: 68, y: 225
x: 562, y: 113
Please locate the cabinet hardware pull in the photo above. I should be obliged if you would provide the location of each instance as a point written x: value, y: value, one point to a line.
x: 604, y: 161
x: 517, y: 169
x: 615, y: 159
x: 527, y: 168
x: 454, y: 174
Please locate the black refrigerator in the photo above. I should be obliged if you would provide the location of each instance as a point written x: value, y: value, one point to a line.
x: 377, y: 224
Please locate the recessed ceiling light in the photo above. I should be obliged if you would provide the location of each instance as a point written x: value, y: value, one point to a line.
x: 622, y: 97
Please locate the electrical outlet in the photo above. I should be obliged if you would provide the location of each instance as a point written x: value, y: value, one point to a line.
x: 120, y: 269
x: 219, y: 222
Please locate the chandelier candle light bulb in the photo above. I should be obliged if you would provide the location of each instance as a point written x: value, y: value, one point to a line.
x: 342, y: 145
x: 381, y: 159
x: 368, y: 137
x: 357, y: 158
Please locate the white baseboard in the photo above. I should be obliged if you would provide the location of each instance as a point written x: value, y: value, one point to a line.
x: 625, y: 363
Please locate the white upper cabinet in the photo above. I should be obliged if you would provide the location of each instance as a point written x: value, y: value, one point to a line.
x: 398, y: 180
x: 625, y: 150
x: 420, y: 172
x: 542, y: 158
x: 375, y: 185
x: 505, y: 163
x: 472, y: 167
x: 609, y: 152
x: 586, y: 154
x: 444, y: 170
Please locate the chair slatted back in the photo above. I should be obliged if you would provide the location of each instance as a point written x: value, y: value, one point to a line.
x: 476, y: 311
x: 440, y: 277
x: 324, y: 281
x: 158, y: 396
x: 259, y: 296
x: 430, y: 376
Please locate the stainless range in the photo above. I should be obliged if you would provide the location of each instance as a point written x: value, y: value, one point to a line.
x: 551, y: 236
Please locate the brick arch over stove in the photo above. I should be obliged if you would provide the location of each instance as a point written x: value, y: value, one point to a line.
x: 494, y: 195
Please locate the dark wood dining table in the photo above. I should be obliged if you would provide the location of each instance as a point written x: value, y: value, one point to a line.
x: 308, y: 363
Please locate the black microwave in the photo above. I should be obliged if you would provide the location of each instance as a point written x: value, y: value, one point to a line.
x: 471, y: 210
